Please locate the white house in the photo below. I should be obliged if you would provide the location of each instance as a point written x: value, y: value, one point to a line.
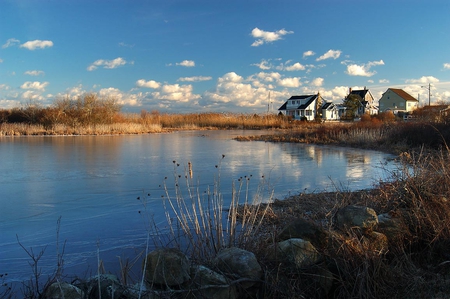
x: 332, y: 111
x: 302, y: 107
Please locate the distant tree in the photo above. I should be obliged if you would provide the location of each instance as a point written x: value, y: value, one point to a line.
x: 352, y: 103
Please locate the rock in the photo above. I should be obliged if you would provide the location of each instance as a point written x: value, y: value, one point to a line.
x: 375, y: 242
x: 239, y: 263
x: 306, y: 230
x: 295, y: 252
x: 110, y: 287
x: 356, y: 216
x: 167, y: 266
x: 393, y: 227
x: 63, y: 290
x: 210, y: 284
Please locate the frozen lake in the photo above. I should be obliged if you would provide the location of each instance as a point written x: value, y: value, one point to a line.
x: 92, y: 183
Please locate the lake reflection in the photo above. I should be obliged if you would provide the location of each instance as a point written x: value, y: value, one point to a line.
x: 92, y: 183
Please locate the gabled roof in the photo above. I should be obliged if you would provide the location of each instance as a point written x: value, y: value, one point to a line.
x: 302, y: 97
x: 304, y: 106
x: 362, y: 93
x: 403, y: 94
x: 283, y: 107
x: 328, y: 105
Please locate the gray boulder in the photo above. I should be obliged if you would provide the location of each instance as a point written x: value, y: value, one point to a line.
x: 297, y: 253
x: 354, y: 216
x: 167, y: 266
x: 63, y: 290
x: 239, y: 263
x: 306, y: 230
x: 210, y: 284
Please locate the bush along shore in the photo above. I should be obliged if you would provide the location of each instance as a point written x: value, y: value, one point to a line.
x: 388, y: 242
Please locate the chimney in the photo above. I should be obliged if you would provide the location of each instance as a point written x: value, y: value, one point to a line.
x: 349, y: 90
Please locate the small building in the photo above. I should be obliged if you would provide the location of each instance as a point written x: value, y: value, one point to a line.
x: 367, y: 102
x: 332, y: 111
x: 303, y: 107
x: 397, y: 100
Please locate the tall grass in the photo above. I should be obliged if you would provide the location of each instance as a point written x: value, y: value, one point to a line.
x: 202, y: 222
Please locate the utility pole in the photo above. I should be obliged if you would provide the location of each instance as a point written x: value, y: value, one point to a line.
x: 429, y: 93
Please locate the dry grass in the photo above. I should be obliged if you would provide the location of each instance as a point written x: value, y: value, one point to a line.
x: 417, y: 262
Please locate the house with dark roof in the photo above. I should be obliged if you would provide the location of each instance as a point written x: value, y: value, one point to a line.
x: 367, y: 102
x: 332, y: 111
x: 302, y: 107
x: 397, y: 100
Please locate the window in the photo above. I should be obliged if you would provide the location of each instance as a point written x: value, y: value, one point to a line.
x: 308, y: 113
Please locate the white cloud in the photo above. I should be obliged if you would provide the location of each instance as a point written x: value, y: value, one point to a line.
x: 34, y: 73
x: 37, y: 44
x: 195, y: 79
x: 290, y: 82
x: 423, y: 79
x: 330, y: 54
x: 4, y: 87
x: 122, y: 98
x: 317, y: 82
x: 186, y: 63
x: 234, y: 91
x: 268, y: 77
x: 363, y: 69
x: 383, y: 81
x: 264, y: 65
x: 148, y: 84
x: 1, y: 60
x: 176, y: 92
x: 36, y: 85
x: 11, y: 42
x: 308, y: 53
x: 447, y: 66
x: 267, y: 36
x: 107, y: 64
x: 295, y: 67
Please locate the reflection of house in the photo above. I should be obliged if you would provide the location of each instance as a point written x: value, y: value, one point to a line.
x: 397, y: 100
x: 331, y: 111
x: 302, y: 107
x: 367, y: 103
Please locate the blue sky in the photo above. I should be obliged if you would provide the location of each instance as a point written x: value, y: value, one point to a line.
x: 186, y: 56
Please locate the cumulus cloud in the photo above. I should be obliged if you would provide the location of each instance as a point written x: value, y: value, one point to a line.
x: 383, y: 81
x: 308, y: 53
x: 37, y: 44
x: 11, y: 42
x: 148, y: 84
x: 232, y: 90
x: 423, y: 79
x: 330, y: 54
x: 34, y: 73
x: 195, y: 79
x: 295, y: 67
x: 186, y: 63
x: 317, y: 82
x: 107, y: 64
x: 121, y: 97
x: 36, y: 85
x: 176, y: 92
x: 363, y: 69
x: 447, y: 66
x: 290, y: 82
x: 267, y: 36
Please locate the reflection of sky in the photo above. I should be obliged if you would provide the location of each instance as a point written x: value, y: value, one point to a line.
x: 92, y: 182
